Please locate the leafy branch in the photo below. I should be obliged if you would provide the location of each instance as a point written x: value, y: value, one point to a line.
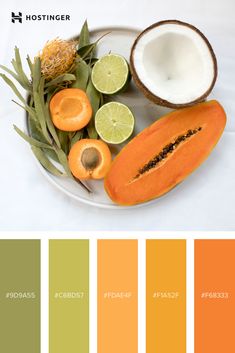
x: 49, y: 144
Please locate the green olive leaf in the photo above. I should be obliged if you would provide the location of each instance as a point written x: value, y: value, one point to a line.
x: 94, y: 98
x: 32, y: 141
x: 30, y: 100
x: 18, y: 66
x: 26, y: 86
x: 93, y: 61
x: 92, y: 133
x: 38, y: 83
x: 39, y: 108
x: 87, y: 50
x: 64, y: 140
x: 50, y: 125
x: 30, y: 64
x: 41, y: 88
x: 51, y: 92
x: 45, y: 162
x: 46, y: 113
x: 82, y: 75
x: 78, y: 136
x: 63, y: 161
x: 13, y: 87
x: 34, y: 130
x: 13, y: 62
x: 61, y: 79
x: 51, y: 154
x: 15, y: 76
x: 84, y: 38
x: 101, y: 99
x: 36, y: 73
x: 28, y: 109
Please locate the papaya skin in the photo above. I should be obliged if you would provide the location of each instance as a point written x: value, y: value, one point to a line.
x: 129, y: 183
x: 89, y: 159
x: 70, y: 109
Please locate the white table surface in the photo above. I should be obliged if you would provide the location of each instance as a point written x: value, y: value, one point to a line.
x: 205, y: 201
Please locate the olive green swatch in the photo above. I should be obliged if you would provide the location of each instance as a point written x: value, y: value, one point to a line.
x: 20, y: 296
x: 69, y: 296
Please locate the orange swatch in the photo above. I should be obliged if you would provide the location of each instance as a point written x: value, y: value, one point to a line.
x: 214, y: 296
x: 166, y: 296
x: 117, y: 296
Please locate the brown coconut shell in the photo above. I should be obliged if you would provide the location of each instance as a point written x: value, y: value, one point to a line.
x: 147, y: 92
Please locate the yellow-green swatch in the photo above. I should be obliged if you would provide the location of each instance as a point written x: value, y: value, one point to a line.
x: 69, y: 296
x: 19, y: 296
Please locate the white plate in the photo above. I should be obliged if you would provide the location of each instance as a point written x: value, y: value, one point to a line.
x: 119, y: 40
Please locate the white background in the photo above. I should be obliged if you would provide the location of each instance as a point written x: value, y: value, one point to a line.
x: 203, y: 202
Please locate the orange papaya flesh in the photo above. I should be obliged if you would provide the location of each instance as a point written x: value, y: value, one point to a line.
x: 165, y: 153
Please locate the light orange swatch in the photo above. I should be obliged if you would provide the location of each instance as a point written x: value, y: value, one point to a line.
x: 214, y: 296
x: 117, y: 296
x: 166, y: 296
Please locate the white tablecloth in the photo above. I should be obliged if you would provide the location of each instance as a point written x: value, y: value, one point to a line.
x: 205, y: 201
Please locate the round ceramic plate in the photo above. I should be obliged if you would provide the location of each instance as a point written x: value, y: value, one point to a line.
x: 119, y: 40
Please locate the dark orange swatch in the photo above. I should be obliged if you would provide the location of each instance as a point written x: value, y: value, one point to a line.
x: 214, y: 296
x: 117, y: 296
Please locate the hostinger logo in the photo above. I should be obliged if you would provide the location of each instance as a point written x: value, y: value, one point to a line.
x: 19, y: 17
x: 16, y: 17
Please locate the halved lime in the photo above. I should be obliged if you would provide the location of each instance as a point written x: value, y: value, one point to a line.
x: 114, y: 122
x: 110, y: 74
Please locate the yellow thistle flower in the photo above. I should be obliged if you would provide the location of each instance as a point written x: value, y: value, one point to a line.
x: 57, y: 57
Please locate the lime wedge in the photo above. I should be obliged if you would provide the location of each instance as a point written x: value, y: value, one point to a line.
x: 110, y: 74
x: 114, y: 122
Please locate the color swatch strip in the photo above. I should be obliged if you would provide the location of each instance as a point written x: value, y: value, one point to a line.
x: 166, y: 296
x: 117, y: 296
x: 69, y: 296
x: 20, y: 296
x: 214, y: 296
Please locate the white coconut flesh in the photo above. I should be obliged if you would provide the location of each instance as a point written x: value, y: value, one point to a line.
x: 174, y: 63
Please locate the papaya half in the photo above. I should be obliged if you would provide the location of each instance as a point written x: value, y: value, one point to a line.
x: 165, y: 153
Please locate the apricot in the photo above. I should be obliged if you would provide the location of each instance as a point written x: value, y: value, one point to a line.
x: 89, y: 159
x: 70, y: 109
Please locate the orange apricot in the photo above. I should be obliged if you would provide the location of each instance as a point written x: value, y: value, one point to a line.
x: 70, y: 109
x: 89, y: 159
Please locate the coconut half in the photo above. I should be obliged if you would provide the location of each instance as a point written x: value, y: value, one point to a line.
x: 173, y: 63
